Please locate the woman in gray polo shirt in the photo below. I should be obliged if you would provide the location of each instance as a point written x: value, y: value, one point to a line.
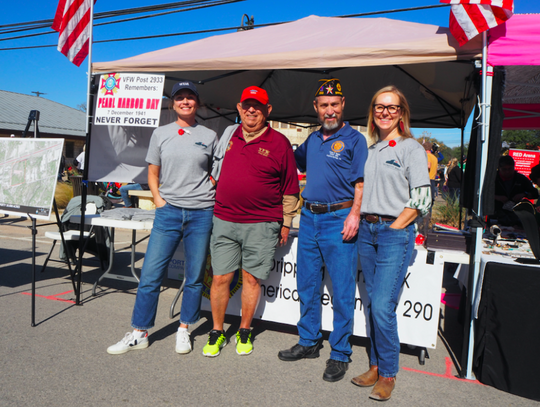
x: 396, y: 192
x: 180, y: 158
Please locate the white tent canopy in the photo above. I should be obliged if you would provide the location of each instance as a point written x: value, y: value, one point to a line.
x: 288, y: 59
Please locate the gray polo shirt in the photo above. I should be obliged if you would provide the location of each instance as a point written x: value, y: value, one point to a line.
x: 389, y: 175
x: 186, y: 162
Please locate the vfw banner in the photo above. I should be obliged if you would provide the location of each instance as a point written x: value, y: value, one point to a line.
x: 126, y: 99
x: 417, y: 312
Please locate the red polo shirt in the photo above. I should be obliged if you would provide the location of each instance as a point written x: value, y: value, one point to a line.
x: 254, y: 177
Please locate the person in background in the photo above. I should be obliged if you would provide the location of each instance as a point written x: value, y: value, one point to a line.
x: 534, y: 176
x: 124, y: 192
x: 436, y: 152
x: 432, y: 167
x: 453, y: 179
x: 180, y: 159
x: 61, y: 168
x: 333, y: 158
x: 387, y: 232
x: 79, y: 161
x: 510, y: 188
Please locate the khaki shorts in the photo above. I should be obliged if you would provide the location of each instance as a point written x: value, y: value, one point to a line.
x: 250, y: 246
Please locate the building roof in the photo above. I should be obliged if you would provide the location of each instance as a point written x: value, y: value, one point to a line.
x: 54, y: 118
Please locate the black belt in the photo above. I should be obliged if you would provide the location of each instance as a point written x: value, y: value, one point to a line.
x: 324, y: 208
x: 371, y: 218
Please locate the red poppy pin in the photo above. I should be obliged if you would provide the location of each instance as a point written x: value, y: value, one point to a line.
x: 181, y: 132
x: 392, y: 143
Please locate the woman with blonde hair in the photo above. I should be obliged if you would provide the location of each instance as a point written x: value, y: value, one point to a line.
x: 396, y: 191
x: 453, y: 181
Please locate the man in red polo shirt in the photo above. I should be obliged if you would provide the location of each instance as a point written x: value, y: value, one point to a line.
x: 256, y: 199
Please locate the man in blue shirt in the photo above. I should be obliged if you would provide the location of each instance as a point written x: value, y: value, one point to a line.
x: 333, y: 158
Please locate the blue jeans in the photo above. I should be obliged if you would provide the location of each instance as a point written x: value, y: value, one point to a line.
x: 171, y: 225
x: 385, y: 255
x: 320, y: 240
x: 124, y: 189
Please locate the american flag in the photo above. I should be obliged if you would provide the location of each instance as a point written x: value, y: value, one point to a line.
x: 469, y: 18
x: 72, y: 21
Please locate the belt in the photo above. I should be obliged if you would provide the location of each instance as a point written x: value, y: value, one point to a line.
x: 324, y: 208
x: 377, y: 218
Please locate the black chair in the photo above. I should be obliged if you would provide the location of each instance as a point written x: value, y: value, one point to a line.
x: 526, y: 214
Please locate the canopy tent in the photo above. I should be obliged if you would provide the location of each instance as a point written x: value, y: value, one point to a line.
x: 515, y: 45
x: 513, y: 51
x: 288, y: 59
x: 510, y: 97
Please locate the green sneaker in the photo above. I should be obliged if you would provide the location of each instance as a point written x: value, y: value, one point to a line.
x: 216, y: 341
x: 243, y: 342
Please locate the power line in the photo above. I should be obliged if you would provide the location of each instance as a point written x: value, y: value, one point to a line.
x: 229, y: 28
x: 108, y: 14
x: 42, y: 24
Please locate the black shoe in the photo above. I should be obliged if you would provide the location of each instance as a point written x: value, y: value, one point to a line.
x: 335, y: 370
x: 298, y: 352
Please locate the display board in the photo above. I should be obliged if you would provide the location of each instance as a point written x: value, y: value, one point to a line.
x: 28, y: 175
x: 417, y: 312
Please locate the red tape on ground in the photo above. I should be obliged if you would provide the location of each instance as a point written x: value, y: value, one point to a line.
x: 53, y: 297
x: 447, y: 375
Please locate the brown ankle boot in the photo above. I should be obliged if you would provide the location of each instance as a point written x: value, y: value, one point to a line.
x: 367, y: 379
x: 383, y: 388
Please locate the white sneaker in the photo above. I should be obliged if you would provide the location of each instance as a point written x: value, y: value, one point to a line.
x: 183, y: 342
x: 128, y: 342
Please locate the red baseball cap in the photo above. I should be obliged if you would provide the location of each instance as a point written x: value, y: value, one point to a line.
x: 254, y: 92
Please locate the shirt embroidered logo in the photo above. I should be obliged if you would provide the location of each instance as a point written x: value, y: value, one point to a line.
x: 198, y: 143
x: 394, y: 163
x: 229, y: 146
x: 264, y: 152
x: 338, y: 146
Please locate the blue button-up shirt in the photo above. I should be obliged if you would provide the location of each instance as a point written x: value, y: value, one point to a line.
x: 333, y: 165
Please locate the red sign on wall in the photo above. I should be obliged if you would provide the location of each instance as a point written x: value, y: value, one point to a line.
x: 525, y: 160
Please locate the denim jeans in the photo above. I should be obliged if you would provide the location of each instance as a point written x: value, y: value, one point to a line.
x: 320, y: 240
x: 124, y: 189
x: 385, y: 255
x: 171, y: 225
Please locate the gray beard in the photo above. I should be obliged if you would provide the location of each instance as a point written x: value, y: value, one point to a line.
x: 328, y: 126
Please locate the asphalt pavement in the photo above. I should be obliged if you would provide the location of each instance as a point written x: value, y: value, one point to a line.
x: 62, y: 361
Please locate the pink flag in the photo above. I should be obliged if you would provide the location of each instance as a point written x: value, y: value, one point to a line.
x: 469, y: 18
x: 72, y: 21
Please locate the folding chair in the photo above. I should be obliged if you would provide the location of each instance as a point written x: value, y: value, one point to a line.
x: 68, y: 235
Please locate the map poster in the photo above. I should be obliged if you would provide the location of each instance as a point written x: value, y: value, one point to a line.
x: 28, y: 174
x: 126, y: 99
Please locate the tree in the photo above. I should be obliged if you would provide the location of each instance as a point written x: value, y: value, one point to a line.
x: 447, y: 152
x: 521, y: 139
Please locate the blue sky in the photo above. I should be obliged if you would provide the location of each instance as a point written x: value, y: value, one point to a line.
x: 46, y: 70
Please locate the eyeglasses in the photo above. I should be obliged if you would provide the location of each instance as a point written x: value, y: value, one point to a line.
x: 392, y: 109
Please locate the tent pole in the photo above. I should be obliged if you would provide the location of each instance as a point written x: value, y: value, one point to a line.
x: 84, y: 186
x: 487, y: 81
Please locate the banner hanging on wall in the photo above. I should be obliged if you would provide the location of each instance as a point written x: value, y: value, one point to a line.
x: 125, y: 99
